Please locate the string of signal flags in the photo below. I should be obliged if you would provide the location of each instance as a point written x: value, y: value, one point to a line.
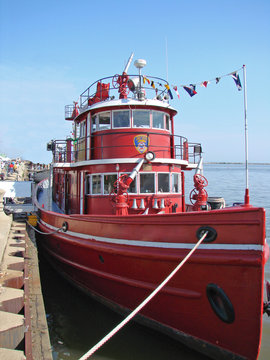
x: 191, y: 88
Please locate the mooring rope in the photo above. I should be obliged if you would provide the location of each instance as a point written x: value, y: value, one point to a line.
x: 146, y: 301
x: 44, y: 233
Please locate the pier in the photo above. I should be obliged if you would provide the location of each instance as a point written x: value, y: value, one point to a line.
x: 23, y: 326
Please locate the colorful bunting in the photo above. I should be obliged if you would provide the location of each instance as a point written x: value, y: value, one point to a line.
x: 205, y: 83
x: 145, y: 79
x: 177, y: 93
x: 169, y: 90
x: 190, y: 89
x: 237, y: 81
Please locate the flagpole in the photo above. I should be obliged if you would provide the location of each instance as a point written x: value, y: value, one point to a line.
x: 246, y: 136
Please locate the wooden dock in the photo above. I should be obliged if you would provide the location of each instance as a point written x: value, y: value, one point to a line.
x: 23, y: 326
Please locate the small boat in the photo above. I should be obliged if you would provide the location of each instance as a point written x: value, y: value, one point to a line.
x: 115, y: 221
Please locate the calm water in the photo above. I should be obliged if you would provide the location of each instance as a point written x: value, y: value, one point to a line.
x: 76, y: 322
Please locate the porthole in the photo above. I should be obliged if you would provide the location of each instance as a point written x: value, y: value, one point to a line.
x: 220, y: 303
x: 64, y: 226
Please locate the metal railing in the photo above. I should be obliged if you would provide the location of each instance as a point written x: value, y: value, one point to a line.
x: 72, y: 151
x: 69, y: 111
x: 136, y: 86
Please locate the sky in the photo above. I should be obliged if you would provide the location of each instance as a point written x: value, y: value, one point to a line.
x: 51, y: 51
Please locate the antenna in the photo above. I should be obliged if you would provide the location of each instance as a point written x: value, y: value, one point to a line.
x: 166, y: 48
x: 128, y: 63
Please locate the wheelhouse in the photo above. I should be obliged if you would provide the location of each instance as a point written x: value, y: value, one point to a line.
x: 109, y: 137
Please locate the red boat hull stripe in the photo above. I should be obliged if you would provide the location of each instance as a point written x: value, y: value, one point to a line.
x: 207, y: 246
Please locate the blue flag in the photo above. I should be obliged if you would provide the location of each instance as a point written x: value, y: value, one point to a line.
x: 190, y: 89
x: 237, y: 81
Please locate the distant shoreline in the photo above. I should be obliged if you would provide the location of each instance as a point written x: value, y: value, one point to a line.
x: 233, y: 163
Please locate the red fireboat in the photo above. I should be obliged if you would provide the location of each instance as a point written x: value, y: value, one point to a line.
x: 115, y: 221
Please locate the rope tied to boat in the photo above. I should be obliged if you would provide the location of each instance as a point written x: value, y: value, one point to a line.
x: 46, y: 233
x: 146, y: 301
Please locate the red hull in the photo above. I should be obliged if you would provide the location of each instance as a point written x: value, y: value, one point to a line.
x: 121, y: 259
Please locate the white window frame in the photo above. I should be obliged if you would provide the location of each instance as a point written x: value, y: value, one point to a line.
x: 92, y: 117
x: 135, y: 179
x: 141, y: 110
x: 164, y: 117
x: 82, y: 129
x: 157, y: 185
x: 167, y: 115
x: 179, y: 183
x: 101, y: 185
x: 98, y: 115
x: 125, y: 127
x: 155, y: 180
x: 77, y: 130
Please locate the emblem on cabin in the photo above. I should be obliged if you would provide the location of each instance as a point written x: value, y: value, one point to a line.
x: 141, y: 143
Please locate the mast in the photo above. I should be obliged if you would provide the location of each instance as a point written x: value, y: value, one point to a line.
x: 246, y: 136
x: 167, y: 67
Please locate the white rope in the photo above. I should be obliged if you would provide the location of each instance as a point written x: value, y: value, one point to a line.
x: 41, y: 232
x: 150, y: 297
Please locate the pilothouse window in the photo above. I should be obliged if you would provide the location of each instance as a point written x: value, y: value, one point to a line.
x: 77, y: 130
x: 109, y: 181
x: 158, y: 120
x: 141, y: 119
x: 167, y: 122
x: 133, y: 186
x: 147, y: 183
x: 163, y: 182
x: 121, y: 119
x: 175, y: 183
x: 96, y: 184
x: 94, y: 123
x: 104, y: 121
x: 82, y: 129
x: 101, y: 121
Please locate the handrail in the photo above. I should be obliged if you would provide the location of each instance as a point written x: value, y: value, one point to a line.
x: 64, y: 151
x: 153, y: 87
